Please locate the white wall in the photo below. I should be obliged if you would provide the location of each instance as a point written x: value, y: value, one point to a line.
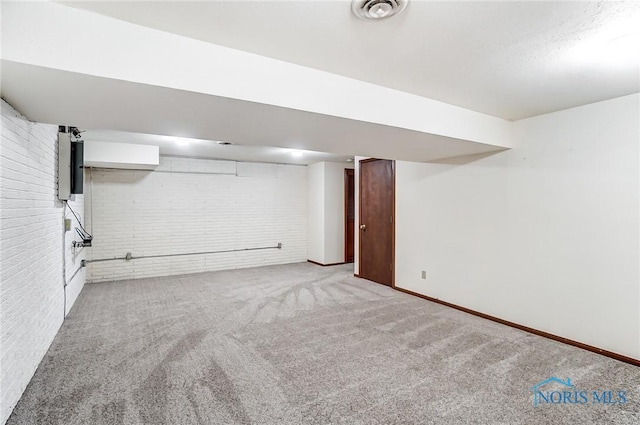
x: 195, y: 205
x: 326, y: 212
x: 74, y: 273
x: 545, y: 235
x: 315, y: 218
x: 334, y: 211
x: 32, y: 292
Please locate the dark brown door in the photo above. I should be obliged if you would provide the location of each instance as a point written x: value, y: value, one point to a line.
x: 349, y: 214
x: 377, y: 220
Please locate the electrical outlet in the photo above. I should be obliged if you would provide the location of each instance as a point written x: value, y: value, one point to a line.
x: 424, y: 274
x: 67, y: 224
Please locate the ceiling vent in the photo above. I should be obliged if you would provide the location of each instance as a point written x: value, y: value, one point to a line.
x: 377, y: 9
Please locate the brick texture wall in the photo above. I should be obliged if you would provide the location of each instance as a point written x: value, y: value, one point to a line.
x: 32, y: 292
x: 74, y: 256
x: 194, y: 205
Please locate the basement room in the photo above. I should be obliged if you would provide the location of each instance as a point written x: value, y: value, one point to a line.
x: 320, y: 212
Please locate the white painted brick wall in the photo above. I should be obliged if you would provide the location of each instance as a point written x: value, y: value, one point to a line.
x: 31, y: 246
x: 73, y: 256
x: 195, y: 205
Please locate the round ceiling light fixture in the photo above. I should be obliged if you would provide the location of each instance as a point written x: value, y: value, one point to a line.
x: 377, y: 9
x: 181, y: 141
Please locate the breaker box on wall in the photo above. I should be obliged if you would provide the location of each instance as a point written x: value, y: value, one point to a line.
x: 77, y: 166
x: 70, y: 163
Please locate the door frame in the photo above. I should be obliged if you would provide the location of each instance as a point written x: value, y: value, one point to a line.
x: 348, y: 171
x: 393, y: 217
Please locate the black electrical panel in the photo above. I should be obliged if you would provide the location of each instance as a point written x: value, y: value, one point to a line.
x: 77, y: 166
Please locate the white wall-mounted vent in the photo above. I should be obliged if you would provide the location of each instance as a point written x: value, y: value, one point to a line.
x: 377, y: 9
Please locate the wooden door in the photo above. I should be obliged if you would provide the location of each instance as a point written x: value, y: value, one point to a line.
x: 377, y: 206
x: 349, y: 215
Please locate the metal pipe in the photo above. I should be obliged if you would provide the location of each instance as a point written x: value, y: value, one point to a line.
x: 194, y: 172
x: 74, y: 275
x: 279, y: 246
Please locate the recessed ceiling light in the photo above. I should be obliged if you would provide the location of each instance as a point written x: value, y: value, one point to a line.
x: 182, y: 142
x: 297, y: 153
x: 377, y: 9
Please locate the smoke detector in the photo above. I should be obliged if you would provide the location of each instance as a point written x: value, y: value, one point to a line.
x: 377, y: 9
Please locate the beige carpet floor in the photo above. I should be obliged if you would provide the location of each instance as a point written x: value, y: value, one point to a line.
x: 302, y: 344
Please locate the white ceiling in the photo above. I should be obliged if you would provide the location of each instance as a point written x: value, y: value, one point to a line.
x: 90, y: 102
x: 198, y: 148
x: 506, y: 58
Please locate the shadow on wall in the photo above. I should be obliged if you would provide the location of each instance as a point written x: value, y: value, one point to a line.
x: 466, y: 159
x: 110, y: 175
